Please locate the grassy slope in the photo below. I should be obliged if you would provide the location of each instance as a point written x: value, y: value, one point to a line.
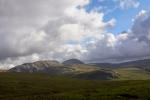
x: 15, y: 86
x: 132, y: 74
x: 83, y: 68
x: 97, y: 75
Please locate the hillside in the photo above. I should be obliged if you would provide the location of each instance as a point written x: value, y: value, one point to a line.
x: 132, y: 73
x: 72, y: 62
x: 97, y: 75
x: 144, y: 64
x: 72, y: 68
x: 51, y: 67
x: 133, y: 70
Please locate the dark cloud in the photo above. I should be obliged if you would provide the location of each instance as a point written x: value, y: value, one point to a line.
x: 141, y: 27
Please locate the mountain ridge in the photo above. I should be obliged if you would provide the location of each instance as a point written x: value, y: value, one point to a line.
x: 78, y: 69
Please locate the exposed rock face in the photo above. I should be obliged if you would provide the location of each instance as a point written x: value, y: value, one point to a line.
x: 72, y: 62
x: 48, y: 66
x: 41, y: 66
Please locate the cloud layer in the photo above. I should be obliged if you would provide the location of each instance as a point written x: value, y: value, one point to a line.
x: 131, y: 45
x: 33, y: 30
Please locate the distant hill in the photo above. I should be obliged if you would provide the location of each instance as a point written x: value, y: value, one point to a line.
x: 144, y: 64
x: 51, y: 67
x: 72, y: 62
x: 97, y: 75
x: 72, y: 68
x: 134, y: 70
x: 132, y: 73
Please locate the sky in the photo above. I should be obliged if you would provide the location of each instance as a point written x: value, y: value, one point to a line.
x: 89, y: 30
x: 119, y: 10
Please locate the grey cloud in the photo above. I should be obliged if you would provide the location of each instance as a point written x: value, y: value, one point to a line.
x: 126, y: 46
x: 33, y: 30
x: 141, y: 27
x: 21, y: 23
x: 28, y: 27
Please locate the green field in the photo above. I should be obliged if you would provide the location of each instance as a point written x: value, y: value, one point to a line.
x: 15, y: 86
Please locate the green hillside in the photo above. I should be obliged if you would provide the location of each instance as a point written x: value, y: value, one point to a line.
x: 97, y: 75
x: 22, y: 86
x: 132, y: 74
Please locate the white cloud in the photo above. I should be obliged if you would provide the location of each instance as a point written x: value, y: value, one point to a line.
x: 43, y: 27
x: 126, y: 4
x: 131, y: 45
x: 39, y: 30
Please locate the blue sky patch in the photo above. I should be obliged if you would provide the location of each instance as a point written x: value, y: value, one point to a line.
x: 112, y: 9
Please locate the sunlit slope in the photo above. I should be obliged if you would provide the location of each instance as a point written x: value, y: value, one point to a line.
x: 132, y: 74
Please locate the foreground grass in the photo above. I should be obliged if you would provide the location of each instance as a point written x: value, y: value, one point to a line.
x: 15, y: 86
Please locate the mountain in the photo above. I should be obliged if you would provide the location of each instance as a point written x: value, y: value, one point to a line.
x: 132, y: 70
x: 72, y: 62
x: 51, y: 67
x: 139, y: 69
x: 144, y: 64
x: 72, y: 68
x: 54, y: 67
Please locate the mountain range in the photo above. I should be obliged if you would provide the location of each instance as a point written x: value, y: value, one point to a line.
x: 75, y: 68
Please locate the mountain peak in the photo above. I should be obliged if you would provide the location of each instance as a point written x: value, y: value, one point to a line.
x: 72, y: 62
x: 37, y: 66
